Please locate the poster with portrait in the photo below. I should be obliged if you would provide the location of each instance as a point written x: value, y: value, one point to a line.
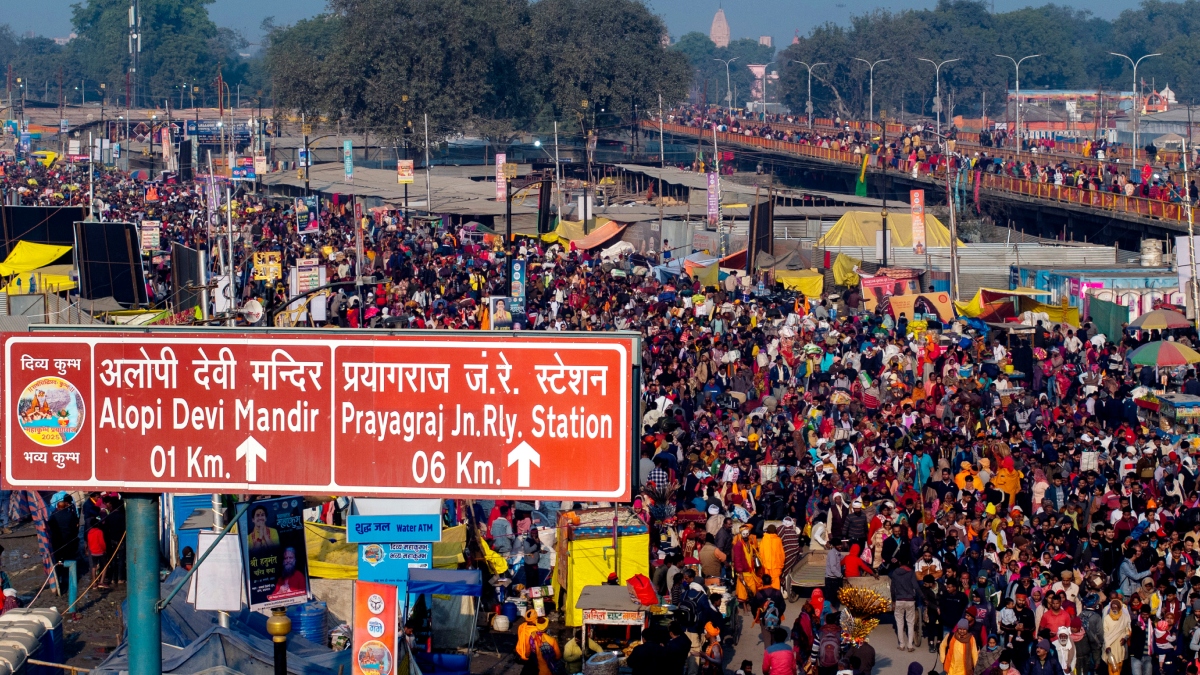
x: 500, y: 312
x: 274, y: 551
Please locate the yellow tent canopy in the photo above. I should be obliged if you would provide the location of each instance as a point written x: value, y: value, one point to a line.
x: 27, y: 256
x: 810, y: 282
x: 983, y: 296
x: 53, y: 283
x: 571, y: 230
x: 858, y: 228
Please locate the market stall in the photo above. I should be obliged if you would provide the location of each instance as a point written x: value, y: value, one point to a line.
x: 451, y: 621
x: 610, y: 614
x: 590, y: 545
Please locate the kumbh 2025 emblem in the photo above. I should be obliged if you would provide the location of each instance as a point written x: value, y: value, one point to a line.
x: 50, y: 411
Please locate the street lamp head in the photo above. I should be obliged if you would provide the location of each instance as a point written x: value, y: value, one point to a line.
x: 537, y: 144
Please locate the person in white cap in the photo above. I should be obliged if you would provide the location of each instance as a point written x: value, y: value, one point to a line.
x: 715, y: 520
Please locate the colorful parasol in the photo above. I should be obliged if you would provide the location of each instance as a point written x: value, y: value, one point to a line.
x: 1160, y: 319
x: 1163, y: 353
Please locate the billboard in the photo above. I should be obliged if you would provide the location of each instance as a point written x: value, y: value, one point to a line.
x: 209, y: 131
x: 429, y: 414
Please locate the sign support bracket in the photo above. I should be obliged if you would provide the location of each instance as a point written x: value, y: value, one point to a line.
x: 162, y: 604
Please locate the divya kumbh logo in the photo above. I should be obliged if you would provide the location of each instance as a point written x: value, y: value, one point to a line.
x: 51, y: 411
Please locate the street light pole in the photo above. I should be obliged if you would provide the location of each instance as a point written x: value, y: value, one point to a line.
x: 1136, y: 96
x: 764, y: 86
x: 871, y: 105
x: 728, y: 90
x: 937, y: 77
x: 808, y: 107
x: 1017, y: 66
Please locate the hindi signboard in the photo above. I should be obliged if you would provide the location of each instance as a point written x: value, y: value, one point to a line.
x: 151, y: 235
x: 501, y: 181
x: 440, y: 414
x: 308, y: 275
x: 268, y: 265
x: 916, y: 198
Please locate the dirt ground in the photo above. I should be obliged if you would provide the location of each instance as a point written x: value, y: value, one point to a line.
x: 93, y: 629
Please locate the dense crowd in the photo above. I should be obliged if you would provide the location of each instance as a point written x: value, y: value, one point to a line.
x: 1026, y: 514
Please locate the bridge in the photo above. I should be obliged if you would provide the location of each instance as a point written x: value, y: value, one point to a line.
x: 1042, y: 209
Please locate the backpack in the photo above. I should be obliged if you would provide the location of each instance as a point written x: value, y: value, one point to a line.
x: 770, y: 616
x: 689, y: 607
x: 829, y: 648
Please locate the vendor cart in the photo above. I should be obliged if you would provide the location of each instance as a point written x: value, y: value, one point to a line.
x: 610, y: 606
x: 1183, y: 408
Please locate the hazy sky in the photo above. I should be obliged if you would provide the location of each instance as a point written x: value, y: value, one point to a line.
x: 747, y: 18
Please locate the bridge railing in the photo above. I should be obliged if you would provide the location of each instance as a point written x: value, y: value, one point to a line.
x: 1068, y: 150
x: 1097, y: 199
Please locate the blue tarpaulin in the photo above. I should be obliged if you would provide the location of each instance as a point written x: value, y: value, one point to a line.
x: 445, y: 582
x: 192, y: 643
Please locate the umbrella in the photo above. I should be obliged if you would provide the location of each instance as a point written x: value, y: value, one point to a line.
x: 1160, y: 319
x: 1163, y: 353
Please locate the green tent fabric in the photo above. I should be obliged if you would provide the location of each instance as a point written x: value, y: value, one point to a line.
x: 27, y: 256
x: 1108, y: 317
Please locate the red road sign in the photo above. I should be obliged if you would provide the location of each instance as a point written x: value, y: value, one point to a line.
x: 436, y: 414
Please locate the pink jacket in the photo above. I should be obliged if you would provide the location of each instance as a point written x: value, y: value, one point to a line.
x: 779, y: 659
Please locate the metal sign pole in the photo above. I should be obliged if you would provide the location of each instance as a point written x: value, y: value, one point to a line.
x: 145, y: 624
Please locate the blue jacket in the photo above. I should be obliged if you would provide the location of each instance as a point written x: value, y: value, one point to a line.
x: 1129, y: 577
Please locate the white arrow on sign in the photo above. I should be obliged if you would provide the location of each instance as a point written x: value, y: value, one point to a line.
x: 523, y: 453
x: 252, y: 450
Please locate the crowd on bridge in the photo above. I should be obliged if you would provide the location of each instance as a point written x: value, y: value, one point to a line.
x: 918, y: 151
x: 1027, y: 515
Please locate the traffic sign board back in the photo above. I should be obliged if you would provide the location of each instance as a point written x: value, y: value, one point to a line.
x: 434, y: 414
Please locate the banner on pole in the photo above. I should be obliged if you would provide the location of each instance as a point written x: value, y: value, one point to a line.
x: 916, y: 198
x: 714, y: 201
x: 376, y: 615
x: 501, y: 185
x: 348, y: 159
x: 404, y: 171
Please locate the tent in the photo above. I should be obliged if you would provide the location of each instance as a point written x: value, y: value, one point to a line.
x: 809, y: 282
x: 691, y: 265
x: 453, y: 619
x: 570, y: 233
x: 27, y: 256
x: 584, y: 554
x: 994, y: 304
x: 858, y: 229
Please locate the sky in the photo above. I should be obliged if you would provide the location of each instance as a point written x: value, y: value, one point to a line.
x: 747, y: 18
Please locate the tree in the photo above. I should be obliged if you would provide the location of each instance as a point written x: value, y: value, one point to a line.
x: 607, y: 52
x: 177, y: 45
